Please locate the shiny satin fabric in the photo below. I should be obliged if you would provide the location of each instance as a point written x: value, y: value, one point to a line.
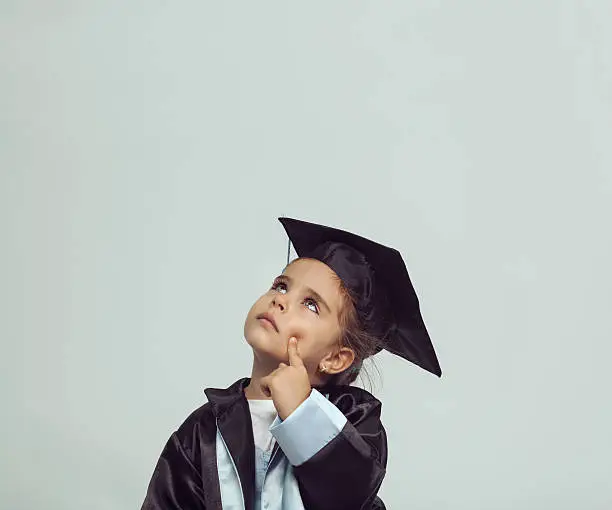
x: 345, y: 475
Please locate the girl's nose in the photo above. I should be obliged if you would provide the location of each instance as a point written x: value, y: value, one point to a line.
x: 280, y: 302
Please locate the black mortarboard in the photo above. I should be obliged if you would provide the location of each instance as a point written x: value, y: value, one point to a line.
x: 378, y: 280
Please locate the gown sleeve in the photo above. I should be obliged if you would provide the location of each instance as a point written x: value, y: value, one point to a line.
x: 338, y: 450
x: 176, y: 484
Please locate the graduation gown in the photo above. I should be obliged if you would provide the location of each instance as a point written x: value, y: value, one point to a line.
x: 216, y: 442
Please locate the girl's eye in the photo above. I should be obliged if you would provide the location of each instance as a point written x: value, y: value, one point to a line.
x: 279, y: 287
x: 311, y: 304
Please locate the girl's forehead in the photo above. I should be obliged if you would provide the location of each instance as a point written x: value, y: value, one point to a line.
x: 312, y: 272
x: 304, y: 266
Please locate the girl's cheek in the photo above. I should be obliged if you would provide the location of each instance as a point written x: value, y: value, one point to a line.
x: 299, y: 331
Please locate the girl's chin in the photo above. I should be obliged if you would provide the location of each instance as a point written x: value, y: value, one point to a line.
x: 267, y: 349
x: 263, y: 335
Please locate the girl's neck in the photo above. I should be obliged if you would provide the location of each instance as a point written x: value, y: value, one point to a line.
x: 253, y: 391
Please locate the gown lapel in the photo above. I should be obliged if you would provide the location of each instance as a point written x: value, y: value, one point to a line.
x: 231, y: 410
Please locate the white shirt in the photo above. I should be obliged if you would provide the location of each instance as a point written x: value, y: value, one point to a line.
x: 263, y: 414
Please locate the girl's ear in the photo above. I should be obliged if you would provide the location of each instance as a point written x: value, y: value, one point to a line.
x: 338, y: 361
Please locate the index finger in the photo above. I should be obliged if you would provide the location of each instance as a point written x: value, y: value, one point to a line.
x: 294, y: 355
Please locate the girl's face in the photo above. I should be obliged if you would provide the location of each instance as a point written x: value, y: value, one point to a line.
x: 304, y: 302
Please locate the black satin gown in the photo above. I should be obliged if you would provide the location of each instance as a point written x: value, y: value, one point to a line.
x: 344, y: 475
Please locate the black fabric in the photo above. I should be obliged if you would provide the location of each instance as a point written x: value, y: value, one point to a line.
x: 327, y: 483
x: 345, y: 475
x: 378, y: 281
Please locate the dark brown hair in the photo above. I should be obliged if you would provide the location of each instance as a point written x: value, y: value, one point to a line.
x: 353, y: 336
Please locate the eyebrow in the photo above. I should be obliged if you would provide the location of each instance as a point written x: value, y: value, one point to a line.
x: 309, y: 290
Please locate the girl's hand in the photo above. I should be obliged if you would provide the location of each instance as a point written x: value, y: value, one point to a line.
x: 288, y: 385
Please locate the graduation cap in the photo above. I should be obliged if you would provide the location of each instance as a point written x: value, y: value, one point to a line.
x: 378, y: 281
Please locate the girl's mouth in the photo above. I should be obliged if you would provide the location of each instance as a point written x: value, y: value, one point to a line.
x: 268, y: 320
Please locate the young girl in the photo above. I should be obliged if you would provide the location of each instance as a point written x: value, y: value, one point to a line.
x: 296, y: 435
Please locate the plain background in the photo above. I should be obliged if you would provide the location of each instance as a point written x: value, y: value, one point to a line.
x: 146, y: 149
